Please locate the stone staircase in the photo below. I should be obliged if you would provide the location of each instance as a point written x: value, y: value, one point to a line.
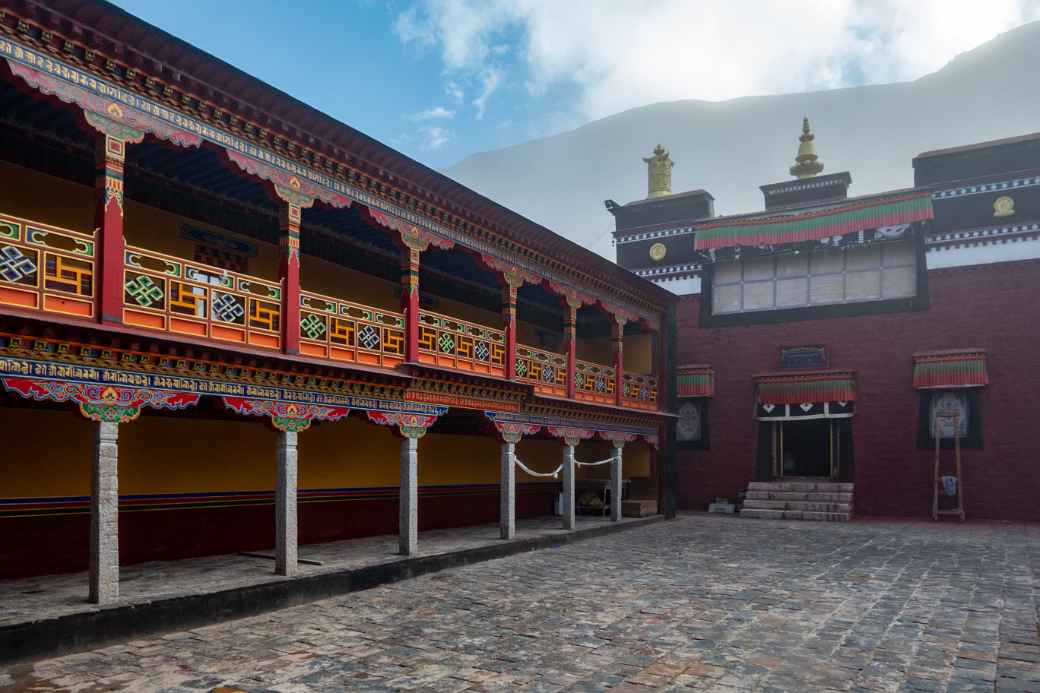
x: 805, y: 499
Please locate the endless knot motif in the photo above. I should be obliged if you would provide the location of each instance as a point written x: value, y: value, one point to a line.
x: 481, y: 351
x: 15, y: 265
x: 601, y: 384
x: 447, y: 343
x: 368, y: 336
x: 227, y: 308
x: 521, y: 367
x: 144, y: 291
x: 579, y: 379
x: 312, y: 326
x: 548, y: 373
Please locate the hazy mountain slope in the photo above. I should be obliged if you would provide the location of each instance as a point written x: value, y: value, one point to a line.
x: 730, y: 148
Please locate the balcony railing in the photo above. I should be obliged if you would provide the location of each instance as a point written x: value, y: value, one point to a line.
x: 639, y: 390
x: 56, y: 271
x: 344, y: 331
x: 453, y: 343
x: 546, y: 370
x: 46, y: 268
x: 594, y: 382
x: 166, y: 293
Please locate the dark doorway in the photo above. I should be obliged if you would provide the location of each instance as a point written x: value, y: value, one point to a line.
x: 806, y: 447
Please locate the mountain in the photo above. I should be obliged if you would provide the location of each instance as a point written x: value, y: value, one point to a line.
x: 731, y: 147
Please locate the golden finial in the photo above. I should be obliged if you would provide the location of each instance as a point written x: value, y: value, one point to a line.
x: 659, y: 173
x: 806, y: 164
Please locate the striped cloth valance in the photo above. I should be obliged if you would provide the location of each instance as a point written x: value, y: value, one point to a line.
x: 695, y: 381
x: 806, y: 386
x: 836, y: 221
x: 950, y: 369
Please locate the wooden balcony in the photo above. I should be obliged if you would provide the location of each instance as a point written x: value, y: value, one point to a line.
x: 594, y: 382
x: 46, y: 268
x: 466, y: 346
x: 56, y: 271
x: 341, y: 330
x: 546, y: 370
x: 639, y: 390
x: 165, y: 293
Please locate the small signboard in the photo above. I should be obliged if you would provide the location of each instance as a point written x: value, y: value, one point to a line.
x: 803, y: 357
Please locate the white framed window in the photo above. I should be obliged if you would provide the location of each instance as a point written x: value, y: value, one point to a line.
x: 826, y: 276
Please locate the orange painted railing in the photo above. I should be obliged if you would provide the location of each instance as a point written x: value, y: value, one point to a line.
x: 345, y: 331
x: 46, y: 268
x: 594, y: 382
x: 453, y: 343
x: 166, y: 293
x: 639, y: 390
x: 546, y: 370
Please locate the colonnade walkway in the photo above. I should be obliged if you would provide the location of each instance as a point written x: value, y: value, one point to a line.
x: 225, y: 586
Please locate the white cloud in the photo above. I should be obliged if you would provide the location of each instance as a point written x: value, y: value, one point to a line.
x: 435, y: 113
x: 490, y: 79
x: 435, y: 136
x: 626, y: 53
x: 454, y: 91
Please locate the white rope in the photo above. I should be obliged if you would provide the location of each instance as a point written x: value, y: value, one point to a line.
x: 594, y: 464
x: 530, y: 472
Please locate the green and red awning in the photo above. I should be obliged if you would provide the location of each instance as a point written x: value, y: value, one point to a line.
x: 806, y: 386
x: 695, y: 381
x: 835, y: 221
x: 950, y: 369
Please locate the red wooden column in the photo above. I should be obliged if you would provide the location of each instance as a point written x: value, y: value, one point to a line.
x: 618, y: 337
x: 110, y: 154
x: 410, y: 300
x: 509, y: 311
x: 289, y: 272
x: 570, y: 336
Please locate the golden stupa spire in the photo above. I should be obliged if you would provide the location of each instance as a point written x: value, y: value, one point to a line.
x: 659, y: 173
x: 806, y: 164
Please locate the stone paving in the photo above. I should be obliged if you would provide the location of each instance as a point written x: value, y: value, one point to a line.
x: 704, y: 603
x: 49, y: 596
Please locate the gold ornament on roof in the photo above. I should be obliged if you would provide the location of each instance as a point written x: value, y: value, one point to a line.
x: 659, y: 173
x: 806, y: 165
x: 658, y: 251
x: 1004, y: 206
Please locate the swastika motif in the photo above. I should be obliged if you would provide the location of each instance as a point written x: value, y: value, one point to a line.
x: 16, y: 266
x: 368, y: 337
x: 313, y: 326
x: 481, y: 351
x: 227, y: 308
x: 143, y: 290
x: 447, y: 343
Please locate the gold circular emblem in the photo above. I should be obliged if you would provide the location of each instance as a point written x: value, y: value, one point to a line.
x: 658, y: 251
x: 1003, y: 206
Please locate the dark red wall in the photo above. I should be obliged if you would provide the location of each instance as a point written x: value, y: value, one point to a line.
x: 995, y: 307
x: 43, y: 545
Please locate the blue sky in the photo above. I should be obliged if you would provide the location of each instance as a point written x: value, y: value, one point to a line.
x: 345, y: 59
x: 442, y: 79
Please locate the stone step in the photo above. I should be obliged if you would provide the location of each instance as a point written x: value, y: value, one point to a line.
x: 756, y: 504
x: 809, y: 496
x: 795, y: 515
x: 823, y: 486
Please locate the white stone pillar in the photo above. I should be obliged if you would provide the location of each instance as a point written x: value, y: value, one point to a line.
x: 568, y: 483
x: 615, y: 484
x: 408, y: 518
x: 104, y: 516
x: 507, y: 491
x: 285, y: 550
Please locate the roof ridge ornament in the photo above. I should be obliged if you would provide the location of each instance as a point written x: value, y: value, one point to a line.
x: 659, y: 173
x: 807, y: 164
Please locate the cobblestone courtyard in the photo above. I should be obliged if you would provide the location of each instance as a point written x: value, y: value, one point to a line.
x: 702, y: 603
